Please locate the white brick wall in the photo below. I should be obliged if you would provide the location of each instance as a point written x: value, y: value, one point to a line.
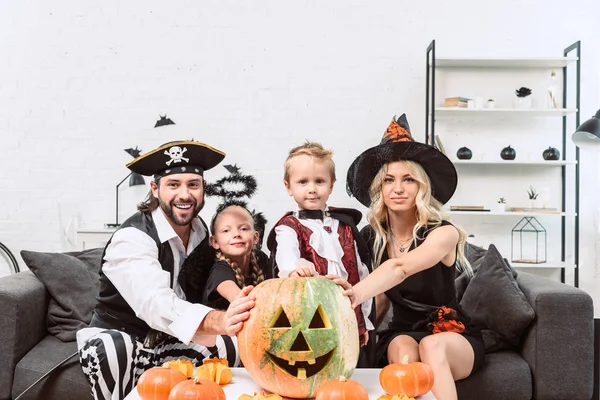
x: 80, y: 82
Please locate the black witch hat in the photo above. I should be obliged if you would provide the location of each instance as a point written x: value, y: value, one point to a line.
x: 397, y: 144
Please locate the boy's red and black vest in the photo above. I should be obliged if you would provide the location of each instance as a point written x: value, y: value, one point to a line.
x: 348, y: 234
x: 112, y: 311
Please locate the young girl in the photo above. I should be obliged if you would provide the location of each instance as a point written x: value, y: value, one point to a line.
x: 237, y: 262
x: 404, y: 184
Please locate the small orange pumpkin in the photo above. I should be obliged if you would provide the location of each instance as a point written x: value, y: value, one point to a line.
x: 156, y: 383
x: 184, y: 366
x: 216, y: 370
x: 395, y: 397
x: 197, y: 389
x: 412, y: 379
x: 341, y: 389
x: 260, y: 396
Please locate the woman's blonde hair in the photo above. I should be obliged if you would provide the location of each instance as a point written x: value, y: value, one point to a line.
x: 429, y: 214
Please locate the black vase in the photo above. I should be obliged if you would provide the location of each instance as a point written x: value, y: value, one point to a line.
x: 551, y: 154
x: 508, y: 153
x: 464, y: 153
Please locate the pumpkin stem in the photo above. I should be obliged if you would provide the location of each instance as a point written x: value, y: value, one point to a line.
x: 405, y: 359
x: 342, y: 378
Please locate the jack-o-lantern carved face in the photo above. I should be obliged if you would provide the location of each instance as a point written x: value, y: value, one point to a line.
x: 301, y: 333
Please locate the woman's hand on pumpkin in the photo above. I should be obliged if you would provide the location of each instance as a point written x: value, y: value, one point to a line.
x: 348, y: 288
x: 238, y: 311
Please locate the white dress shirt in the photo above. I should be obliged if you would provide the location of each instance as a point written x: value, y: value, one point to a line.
x: 131, y: 264
x: 326, y: 244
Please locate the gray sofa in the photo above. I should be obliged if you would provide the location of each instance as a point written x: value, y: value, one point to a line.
x: 552, y: 361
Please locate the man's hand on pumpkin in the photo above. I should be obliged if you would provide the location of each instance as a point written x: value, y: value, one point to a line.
x: 238, y: 311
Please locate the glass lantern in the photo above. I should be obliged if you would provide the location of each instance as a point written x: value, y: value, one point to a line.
x: 529, y: 244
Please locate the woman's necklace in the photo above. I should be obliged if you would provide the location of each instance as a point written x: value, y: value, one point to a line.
x: 402, y: 245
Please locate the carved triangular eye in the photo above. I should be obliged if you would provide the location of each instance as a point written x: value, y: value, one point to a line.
x: 319, y: 320
x: 281, y: 321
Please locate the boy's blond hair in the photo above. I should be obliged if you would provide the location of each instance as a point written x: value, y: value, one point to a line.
x: 314, y: 150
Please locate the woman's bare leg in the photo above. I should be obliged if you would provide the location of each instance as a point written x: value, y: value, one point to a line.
x: 400, y: 346
x: 451, y: 358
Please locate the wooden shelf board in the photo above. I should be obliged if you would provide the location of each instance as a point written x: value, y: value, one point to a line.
x: 541, y: 62
x: 510, y: 213
x: 543, y: 265
x: 550, y: 163
x: 540, y: 112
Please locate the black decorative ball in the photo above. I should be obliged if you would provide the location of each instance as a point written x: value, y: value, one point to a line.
x: 551, y: 154
x: 508, y: 153
x: 464, y: 153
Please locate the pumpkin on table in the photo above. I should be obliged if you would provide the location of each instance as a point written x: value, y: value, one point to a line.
x: 395, y: 397
x: 216, y: 370
x: 412, y: 379
x: 260, y: 396
x: 301, y: 333
x: 156, y: 383
x: 184, y: 366
x: 197, y: 389
x: 341, y: 389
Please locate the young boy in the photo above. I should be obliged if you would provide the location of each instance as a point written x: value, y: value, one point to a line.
x: 316, y: 239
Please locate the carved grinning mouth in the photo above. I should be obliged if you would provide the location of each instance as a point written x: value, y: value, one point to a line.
x: 303, y: 369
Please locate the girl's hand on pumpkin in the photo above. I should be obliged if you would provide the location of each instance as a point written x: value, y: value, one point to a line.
x: 238, y: 311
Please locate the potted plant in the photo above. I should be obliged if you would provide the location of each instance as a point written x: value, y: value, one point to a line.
x: 523, y: 100
x: 533, y: 195
x: 490, y: 103
x: 501, y: 205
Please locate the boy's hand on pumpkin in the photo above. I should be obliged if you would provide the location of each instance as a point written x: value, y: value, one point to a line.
x: 364, y: 339
x: 303, y: 271
x: 238, y: 311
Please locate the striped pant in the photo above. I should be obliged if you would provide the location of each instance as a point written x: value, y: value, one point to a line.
x: 113, y: 360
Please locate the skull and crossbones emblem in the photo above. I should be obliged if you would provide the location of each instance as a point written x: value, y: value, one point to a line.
x: 176, y: 154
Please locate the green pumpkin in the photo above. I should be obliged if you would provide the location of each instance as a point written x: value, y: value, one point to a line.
x: 301, y: 333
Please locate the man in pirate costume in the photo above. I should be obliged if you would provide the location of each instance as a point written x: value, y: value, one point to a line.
x: 142, y: 317
x: 317, y: 239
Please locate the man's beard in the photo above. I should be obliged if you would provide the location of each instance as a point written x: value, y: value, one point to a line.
x: 168, y: 210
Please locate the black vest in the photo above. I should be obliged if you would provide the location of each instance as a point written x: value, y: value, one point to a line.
x: 112, y: 311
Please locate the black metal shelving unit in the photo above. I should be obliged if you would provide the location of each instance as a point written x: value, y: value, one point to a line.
x: 430, y: 115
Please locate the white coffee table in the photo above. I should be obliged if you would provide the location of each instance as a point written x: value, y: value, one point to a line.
x: 242, y: 383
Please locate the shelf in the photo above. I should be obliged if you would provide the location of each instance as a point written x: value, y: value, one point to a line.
x: 511, y: 213
x: 543, y: 265
x: 555, y: 62
x: 529, y: 112
x: 550, y: 163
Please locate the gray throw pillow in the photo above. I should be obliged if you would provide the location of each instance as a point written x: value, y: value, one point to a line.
x: 72, y: 281
x: 493, y: 299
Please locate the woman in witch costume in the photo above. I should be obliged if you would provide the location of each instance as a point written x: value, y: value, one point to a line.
x: 405, y: 184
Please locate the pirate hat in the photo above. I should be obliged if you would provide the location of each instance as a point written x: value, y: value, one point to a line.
x: 397, y: 144
x: 184, y: 156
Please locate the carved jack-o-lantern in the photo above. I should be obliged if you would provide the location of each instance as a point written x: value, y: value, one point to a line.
x: 301, y: 333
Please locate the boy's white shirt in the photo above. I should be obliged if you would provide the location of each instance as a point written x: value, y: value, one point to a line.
x: 326, y: 244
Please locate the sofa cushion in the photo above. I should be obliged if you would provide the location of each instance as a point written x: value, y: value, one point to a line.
x: 67, y: 382
x: 494, y: 300
x: 72, y: 281
x: 504, y: 375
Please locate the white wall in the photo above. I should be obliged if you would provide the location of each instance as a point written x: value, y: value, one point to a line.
x: 83, y: 81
